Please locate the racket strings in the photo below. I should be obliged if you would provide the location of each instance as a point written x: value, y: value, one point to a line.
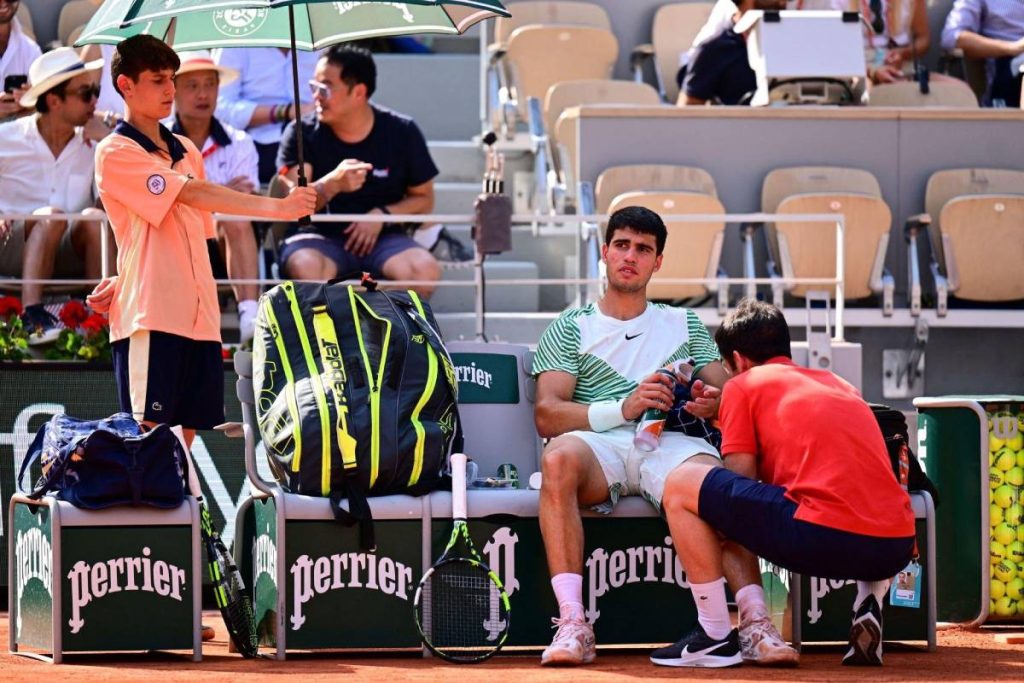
x: 462, y: 610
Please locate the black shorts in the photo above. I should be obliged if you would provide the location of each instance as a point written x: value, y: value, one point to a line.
x: 166, y: 378
x: 759, y: 517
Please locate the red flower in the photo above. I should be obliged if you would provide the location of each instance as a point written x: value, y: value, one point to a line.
x: 93, y: 324
x: 9, y: 305
x: 73, y: 314
x: 225, y: 353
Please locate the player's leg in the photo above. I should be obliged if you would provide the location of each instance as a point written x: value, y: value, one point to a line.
x: 87, y: 242
x: 241, y: 257
x: 309, y: 256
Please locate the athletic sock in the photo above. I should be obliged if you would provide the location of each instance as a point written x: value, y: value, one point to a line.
x: 712, y: 610
x: 427, y: 236
x: 247, y: 319
x: 751, y: 601
x: 568, y: 589
x: 866, y: 588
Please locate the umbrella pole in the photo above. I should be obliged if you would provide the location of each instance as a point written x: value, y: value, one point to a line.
x: 298, y: 107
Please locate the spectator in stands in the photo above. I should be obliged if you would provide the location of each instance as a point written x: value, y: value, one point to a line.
x: 261, y: 101
x: 992, y: 30
x: 897, y: 32
x: 46, y: 167
x: 807, y: 485
x: 17, y: 52
x: 230, y: 159
x: 719, y: 70
x: 595, y: 376
x: 361, y: 158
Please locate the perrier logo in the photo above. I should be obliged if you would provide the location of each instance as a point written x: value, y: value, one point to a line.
x: 236, y: 23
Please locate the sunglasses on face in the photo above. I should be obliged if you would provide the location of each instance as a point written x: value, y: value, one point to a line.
x: 85, y: 93
x: 320, y: 90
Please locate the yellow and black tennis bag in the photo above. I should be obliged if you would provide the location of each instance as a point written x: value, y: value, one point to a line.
x: 355, y: 394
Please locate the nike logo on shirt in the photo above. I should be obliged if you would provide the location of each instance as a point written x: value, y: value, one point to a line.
x: 633, y: 337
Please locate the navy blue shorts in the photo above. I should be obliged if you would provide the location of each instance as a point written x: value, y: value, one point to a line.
x: 388, y: 244
x: 166, y: 378
x: 759, y: 517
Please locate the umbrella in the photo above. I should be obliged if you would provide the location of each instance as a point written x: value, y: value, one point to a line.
x: 294, y: 24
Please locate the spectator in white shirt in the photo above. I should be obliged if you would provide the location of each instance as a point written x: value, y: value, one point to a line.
x: 230, y: 159
x: 992, y: 30
x: 17, y: 51
x: 261, y: 100
x: 46, y: 168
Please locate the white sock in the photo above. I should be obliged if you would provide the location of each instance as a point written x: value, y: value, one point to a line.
x: 751, y: 601
x: 866, y: 588
x: 568, y: 589
x: 712, y: 610
x: 426, y: 236
x: 247, y: 319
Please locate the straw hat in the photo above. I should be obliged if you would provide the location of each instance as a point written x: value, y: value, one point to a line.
x: 201, y: 60
x: 52, y: 68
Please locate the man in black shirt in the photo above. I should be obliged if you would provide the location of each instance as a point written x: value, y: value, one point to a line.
x: 361, y: 158
x: 719, y: 71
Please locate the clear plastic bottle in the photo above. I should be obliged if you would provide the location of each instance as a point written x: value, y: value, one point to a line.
x: 652, y: 422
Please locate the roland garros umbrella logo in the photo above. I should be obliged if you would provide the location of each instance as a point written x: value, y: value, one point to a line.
x: 407, y: 15
x: 236, y: 23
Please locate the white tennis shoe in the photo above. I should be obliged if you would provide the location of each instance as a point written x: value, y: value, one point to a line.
x: 572, y: 645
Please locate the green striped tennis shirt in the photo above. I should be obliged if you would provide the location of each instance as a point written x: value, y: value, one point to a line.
x: 610, y: 357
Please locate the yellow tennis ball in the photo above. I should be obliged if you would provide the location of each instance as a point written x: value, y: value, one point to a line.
x: 1006, y: 459
x: 1003, y: 496
x: 994, y: 442
x: 1013, y: 515
x: 1005, y: 607
x: 1015, y: 589
x: 996, y: 552
x: 995, y: 515
x: 1020, y: 533
x: 996, y: 477
x: 1005, y: 571
x: 1015, y: 552
x: 997, y: 590
x: 1004, y: 533
x: 1020, y: 458
x: 1015, y: 476
x: 1016, y: 442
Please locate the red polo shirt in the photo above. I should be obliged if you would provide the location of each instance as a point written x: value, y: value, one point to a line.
x: 814, y: 436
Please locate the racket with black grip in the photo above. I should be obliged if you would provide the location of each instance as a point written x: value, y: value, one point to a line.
x: 462, y: 609
x: 228, y: 587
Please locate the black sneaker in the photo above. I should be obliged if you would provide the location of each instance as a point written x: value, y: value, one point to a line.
x: 41, y: 325
x: 448, y: 248
x: 865, y: 635
x: 700, y: 650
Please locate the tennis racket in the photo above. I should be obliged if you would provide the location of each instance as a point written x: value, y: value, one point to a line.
x: 228, y: 587
x: 462, y: 610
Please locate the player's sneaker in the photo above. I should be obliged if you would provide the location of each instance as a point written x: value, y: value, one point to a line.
x: 573, y: 644
x: 698, y: 649
x: 761, y: 643
x: 865, y: 635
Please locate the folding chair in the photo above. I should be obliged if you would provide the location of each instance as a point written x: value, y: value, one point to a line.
x: 673, y: 31
x: 74, y: 15
x: 908, y: 94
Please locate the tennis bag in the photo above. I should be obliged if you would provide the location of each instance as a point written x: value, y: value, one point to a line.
x: 355, y: 394
x: 905, y: 464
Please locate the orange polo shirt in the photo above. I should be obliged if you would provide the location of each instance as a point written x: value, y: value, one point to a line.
x: 165, y: 282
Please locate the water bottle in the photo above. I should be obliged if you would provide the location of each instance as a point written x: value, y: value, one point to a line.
x: 652, y: 422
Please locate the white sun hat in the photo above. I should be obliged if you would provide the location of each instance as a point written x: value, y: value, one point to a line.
x: 52, y: 68
x: 202, y: 60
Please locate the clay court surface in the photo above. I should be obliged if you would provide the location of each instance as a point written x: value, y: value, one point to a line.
x: 963, y: 655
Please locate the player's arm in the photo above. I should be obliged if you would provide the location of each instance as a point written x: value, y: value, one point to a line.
x: 706, y: 390
x: 207, y: 196
x: 743, y: 464
x: 556, y: 413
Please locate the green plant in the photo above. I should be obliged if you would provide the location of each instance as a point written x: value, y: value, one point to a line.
x: 13, y: 335
x: 86, y: 335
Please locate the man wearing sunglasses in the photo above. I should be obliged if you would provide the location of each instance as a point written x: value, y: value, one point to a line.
x: 46, y: 168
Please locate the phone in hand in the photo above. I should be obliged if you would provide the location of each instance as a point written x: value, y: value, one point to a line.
x: 14, y: 81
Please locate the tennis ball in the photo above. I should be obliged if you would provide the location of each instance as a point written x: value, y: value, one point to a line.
x: 996, y: 552
x: 1013, y: 515
x: 1005, y: 571
x: 995, y: 515
x: 1004, y: 534
x: 997, y: 590
x: 1015, y: 476
x: 1020, y: 533
x: 996, y: 477
x: 994, y: 442
x: 1003, y: 496
x: 1005, y: 607
x: 1015, y: 552
x: 1006, y: 458
x: 1016, y: 442
x: 1020, y: 458
x: 1015, y: 589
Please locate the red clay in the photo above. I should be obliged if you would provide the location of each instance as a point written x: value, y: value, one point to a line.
x: 963, y: 655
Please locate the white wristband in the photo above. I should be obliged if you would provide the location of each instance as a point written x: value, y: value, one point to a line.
x: 605, y: 415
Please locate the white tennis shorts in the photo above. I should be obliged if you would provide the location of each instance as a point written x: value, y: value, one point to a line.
x: 632, y: 472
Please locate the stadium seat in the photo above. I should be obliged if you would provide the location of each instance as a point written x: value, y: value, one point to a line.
x: 694, y: 250
x: 649, y: 177
x: 74, y: 15
x: 673, y: 31
x: 560, y: 151
x: 808, y: 250
x: 950, y: 93
x: 987, y: 186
